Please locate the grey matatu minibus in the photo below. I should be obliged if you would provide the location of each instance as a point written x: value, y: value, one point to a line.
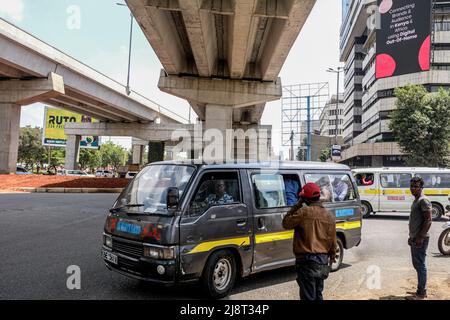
x: 179, y: 222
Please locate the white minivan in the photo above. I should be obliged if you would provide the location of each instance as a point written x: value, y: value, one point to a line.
x: 387, y: 189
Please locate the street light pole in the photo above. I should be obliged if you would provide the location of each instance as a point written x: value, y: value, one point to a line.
x: 337, y: 108
x: 128, y: 90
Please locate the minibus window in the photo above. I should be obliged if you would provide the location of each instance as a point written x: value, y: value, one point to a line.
x: 291, y: 188
x: 435, y: 180
x: 269, y: 191
x: 364, y: 179
x: 444, y: 181
x: 147, y: 193
x: 395, y: 180
x: 218, y: 188
x: 334, y: 187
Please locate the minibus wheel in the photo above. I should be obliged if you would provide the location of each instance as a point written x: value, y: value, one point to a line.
x: 339, y: 255
x: 219, y: 274
x: 436, y: 211
x: 366, y: 209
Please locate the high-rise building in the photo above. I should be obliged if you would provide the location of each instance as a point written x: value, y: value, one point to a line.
x: 328, y: 118
x: 368, y: 101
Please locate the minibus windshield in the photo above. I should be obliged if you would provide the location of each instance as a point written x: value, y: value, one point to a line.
x: 147, y: 193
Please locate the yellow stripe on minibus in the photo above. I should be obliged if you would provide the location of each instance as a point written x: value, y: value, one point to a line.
x: 206, y: 246
x: 373, y: 192
x: 263, y: 238
x: 349, y: 225
x: 276, y: 236
x: 400, y: 191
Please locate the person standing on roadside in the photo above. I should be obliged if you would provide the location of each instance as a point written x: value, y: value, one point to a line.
x: 314, y: 243
x: 419, y: 225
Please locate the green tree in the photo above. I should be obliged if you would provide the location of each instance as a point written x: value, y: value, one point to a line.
x: 421, y: 125
x: 31, y: 152
x: 325, y: 154
x: 90, y: 158
x: 113, y: 155
x: 57, y: 157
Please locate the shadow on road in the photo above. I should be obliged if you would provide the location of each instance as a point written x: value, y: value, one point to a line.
x: 391, y: 297
x: 403, y: 217
x: 144, y: 290
x: 386, y: 217
x: 440, y: 255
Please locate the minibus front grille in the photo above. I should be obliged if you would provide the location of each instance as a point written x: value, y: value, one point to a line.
x: 128, y: 248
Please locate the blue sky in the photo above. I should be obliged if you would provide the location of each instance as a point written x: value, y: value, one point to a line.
x: 101, y: 41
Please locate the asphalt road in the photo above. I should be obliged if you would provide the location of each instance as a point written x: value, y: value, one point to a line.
x: 41, y: 235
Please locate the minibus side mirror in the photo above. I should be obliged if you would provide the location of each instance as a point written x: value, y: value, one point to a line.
x: 173, y: 197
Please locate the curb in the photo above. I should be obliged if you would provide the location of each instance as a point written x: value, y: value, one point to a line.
x: 69, y: 190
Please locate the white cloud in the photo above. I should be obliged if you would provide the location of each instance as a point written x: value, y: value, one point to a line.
x: 12, y: 8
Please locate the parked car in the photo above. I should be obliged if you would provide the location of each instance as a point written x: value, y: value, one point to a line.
x: 104, y: 174
x: 130, y: 174
x: 77, y: 173
x: 20, y: 170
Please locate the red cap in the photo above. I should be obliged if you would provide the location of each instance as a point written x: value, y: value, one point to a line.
x: 310, y: 190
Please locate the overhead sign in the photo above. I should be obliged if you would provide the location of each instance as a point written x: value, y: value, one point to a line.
x: 54, y: 122
x: 404, y: 40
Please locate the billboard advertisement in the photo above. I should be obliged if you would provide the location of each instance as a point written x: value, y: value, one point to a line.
x: 404, y: 40
x: 54, y: 121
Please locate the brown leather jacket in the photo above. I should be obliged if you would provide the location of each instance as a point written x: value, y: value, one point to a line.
x: 314, y: 229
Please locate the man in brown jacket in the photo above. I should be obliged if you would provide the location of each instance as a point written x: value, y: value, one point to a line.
x: 314, y: 241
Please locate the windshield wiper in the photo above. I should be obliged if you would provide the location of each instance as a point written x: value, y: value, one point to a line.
x: 113, y: 210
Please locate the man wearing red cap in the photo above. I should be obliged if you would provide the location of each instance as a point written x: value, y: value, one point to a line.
x: 314, y: 241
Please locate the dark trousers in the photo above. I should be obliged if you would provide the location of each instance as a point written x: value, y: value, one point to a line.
x: 418, y: 256
x: 310, y: 278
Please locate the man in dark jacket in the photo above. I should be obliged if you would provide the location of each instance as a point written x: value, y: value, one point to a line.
x: 314, y: 241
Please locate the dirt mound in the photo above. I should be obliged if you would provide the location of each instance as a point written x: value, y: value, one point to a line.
x: 10, y: 182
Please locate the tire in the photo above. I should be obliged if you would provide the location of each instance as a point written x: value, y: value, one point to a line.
x: 219, y: 274
x: 339, y: 255
x: 445, y: 235
x: 366, y: 209
x: 436, y: 211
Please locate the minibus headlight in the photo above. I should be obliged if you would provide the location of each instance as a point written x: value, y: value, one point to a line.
x: 107, y: 241
x: 163, y: 253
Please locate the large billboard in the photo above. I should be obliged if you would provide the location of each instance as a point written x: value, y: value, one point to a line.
x: 404, y: 41
x: 54, y: 121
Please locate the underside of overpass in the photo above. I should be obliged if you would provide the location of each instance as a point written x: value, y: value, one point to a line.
x: 222, y: 56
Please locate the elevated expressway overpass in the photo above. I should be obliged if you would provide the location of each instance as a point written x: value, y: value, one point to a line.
x: 32, y: 71
x: 222, y: 56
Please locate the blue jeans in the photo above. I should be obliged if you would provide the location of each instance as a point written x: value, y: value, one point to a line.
x: 418, y: 260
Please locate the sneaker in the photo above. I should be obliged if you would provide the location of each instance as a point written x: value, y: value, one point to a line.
x: 415, y: 296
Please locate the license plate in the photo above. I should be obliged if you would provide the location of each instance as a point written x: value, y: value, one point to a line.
x: 128, y: 228
x: 108, y: 256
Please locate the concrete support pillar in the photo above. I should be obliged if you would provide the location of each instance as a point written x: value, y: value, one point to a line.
x: 252, y: 142
x: 72, y: 152
x: 9, y: 137
x: 155, y: 151
x: 138, y: 152
x: 218, y: 119
x: 168, y: 153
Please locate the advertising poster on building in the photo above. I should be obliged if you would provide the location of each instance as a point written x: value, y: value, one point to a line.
x: 54, y: 121
x: 404, y: 40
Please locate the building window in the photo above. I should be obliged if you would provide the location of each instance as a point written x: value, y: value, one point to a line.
x: 442, y: 25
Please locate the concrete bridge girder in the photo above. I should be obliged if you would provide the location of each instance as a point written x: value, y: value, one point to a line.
x: 226, y: 92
